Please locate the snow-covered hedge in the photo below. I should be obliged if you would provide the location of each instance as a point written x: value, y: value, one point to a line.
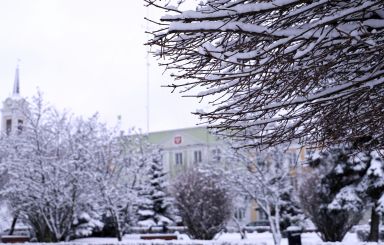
x: 156, y: 229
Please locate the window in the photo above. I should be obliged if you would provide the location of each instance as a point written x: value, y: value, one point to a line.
x: 179, y: 158
x: 197, y: 157
x: 292, y: 158
x: 8, y: 126
x: 240, y: 213
x: 216, y: 155
x: 19, y: 126
x: 261, y: 215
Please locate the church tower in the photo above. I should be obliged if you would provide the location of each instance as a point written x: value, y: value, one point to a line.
x: 13, y: 111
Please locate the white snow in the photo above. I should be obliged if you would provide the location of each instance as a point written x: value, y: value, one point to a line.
x: 238, y: 9
x: 147, y: 223
x: 5, y: 217
x: 264, y: 238
x: 146, y: 212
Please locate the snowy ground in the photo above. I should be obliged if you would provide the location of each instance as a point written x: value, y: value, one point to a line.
x: 227, y: 239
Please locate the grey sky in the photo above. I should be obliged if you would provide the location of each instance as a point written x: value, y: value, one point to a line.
x: 88, y: 56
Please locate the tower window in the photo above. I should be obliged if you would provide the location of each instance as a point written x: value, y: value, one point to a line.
x: 19, y: 126
x: 8, y: 126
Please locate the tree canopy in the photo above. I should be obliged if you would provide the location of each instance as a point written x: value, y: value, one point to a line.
x: 309, y: 71
x: 61, y: 173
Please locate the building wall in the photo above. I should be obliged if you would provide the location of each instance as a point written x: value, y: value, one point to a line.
x: 189, y: 140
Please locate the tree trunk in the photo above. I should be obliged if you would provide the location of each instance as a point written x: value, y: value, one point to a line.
x: 118, y: 233
x: 13, y: 224
x: 375, y: 222
x: 275, y: 229
x: 240, y: 228
x: 117, y: 225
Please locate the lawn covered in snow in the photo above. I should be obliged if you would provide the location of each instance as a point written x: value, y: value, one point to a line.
x: 225, y: 238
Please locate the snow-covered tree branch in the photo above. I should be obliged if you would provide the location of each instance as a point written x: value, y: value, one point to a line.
x: 311, y: 71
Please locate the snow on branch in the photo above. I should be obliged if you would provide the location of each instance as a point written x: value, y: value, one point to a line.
x: 309, y: 71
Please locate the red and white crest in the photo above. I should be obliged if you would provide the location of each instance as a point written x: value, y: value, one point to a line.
x: 177, y: 140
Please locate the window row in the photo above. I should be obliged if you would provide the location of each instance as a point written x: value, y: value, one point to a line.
x: 197, y: 156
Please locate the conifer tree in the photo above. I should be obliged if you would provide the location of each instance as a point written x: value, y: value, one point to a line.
x: 339, y: 189
x: 155, y: 204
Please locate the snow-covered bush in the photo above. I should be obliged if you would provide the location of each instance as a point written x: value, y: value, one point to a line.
x: 290, y: 210
x: 205, y: 205
x: 85, y: 225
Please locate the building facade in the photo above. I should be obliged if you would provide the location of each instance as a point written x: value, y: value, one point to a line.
x: 188, y: 147
x: 184, y: 148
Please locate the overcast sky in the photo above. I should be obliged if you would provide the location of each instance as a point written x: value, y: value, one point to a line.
x: 88, y: 56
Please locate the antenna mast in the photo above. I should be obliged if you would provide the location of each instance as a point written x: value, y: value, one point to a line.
x: 148, y: 66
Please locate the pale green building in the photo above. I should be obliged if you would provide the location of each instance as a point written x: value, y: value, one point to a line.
x: 183, y: 148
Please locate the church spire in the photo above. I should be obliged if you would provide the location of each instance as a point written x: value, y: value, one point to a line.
x: 16, y: 84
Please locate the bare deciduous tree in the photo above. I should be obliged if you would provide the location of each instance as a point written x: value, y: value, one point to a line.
x: 306, y: 70
x: 204, y: 203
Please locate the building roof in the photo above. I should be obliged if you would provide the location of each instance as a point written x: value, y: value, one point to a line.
x: 199, y: 134
x: 16, y: 83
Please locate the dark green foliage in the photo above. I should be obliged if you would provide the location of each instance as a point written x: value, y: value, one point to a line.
x: 290, y: 211
x: 109, y: 228
x: 328, y: 196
